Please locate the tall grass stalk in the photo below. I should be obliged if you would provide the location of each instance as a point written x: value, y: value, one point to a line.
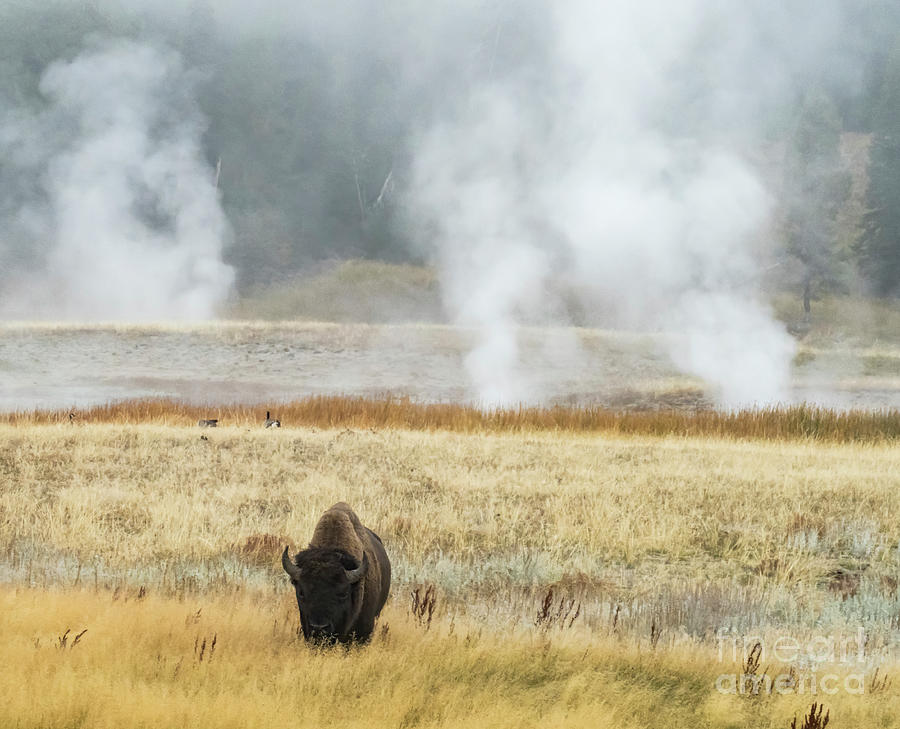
x: 788, y: 422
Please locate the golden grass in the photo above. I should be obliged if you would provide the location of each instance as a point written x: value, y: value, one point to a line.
x: 150, y: 661
x: 155, y: 540
x: 770, y: 423
x: 621, y: 517
x: 350, y: 291
x: 841, y: 320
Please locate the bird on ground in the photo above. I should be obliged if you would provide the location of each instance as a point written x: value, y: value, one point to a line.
x: 270, y: 422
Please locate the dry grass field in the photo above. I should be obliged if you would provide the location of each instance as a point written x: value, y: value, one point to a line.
x: 234, y: 661
x: 580, y: 578
x: 789, y: 422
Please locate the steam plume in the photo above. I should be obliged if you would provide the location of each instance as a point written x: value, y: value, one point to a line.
x: 109, y: 184
x: 620, y: 168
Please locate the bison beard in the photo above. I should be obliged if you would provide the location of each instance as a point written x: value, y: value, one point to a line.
x: 342, y: 580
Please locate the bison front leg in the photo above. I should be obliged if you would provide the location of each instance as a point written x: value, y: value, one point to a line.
x: 364, y: 629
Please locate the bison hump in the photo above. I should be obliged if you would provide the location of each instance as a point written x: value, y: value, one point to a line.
x: 339, y: 528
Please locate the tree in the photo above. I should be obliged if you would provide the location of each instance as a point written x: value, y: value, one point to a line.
x: 879, y: 249
x: 816, y: 187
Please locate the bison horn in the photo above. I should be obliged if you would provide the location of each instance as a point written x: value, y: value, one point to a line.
x: 354, y: 576
x: 289, y: 566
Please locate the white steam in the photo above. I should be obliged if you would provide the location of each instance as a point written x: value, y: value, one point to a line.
x: 620, y: 169
x: 120, y: 206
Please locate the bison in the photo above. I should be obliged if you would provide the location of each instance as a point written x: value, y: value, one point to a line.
x: 342, y: 580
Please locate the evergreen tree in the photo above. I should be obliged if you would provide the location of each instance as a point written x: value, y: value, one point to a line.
x: 879, y: 249
x: 817, y: 186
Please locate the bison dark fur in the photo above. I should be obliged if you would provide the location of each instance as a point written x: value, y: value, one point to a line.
x: 342, y: 580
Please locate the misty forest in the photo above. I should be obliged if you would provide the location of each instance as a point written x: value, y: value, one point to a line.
x: 354, y: 130
x: 566, y: 333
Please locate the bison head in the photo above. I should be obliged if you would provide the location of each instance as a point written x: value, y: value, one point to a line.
x: 326, y: 584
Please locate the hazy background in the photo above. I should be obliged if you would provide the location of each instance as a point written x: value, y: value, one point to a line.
x: 645, y: 165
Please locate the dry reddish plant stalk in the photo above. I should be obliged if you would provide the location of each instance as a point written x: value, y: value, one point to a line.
x: 813, y: 720
x: 423, y: 604
x: 564, y: 615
